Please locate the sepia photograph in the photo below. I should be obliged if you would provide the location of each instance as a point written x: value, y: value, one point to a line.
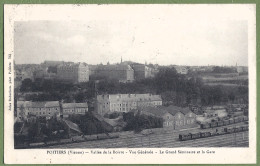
x: 130, y: 76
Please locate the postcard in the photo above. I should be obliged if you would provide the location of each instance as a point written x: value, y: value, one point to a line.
x: 130, y: 84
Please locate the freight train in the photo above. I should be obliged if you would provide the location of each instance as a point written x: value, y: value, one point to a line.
x: 227, y: 130
x: 74, y: 139
x: 224, y: 122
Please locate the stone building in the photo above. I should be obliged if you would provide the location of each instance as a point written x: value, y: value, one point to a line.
x: 52, y: 63
x: 125, y: 102
x: 44, y: 74
x: 71, y: 72
x: 26, y: 109
x: 122, y: 73
x: 22, y: 75
x: 173, y: 116
x: 74, y: 109
x: 141, y: 71
x: 38, y: 109
x: 242, y: 69
x: 181, y: 69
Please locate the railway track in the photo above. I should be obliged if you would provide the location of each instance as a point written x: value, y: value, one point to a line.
x: 164, y: 138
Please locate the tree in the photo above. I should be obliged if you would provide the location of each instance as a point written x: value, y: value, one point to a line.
x: 26, y: 85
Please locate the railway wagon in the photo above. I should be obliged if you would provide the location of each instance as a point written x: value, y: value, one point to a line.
x: 225, y: 122
x: 102, y: 136
x: 220, y: 123
x: 184, y: 137
x: 238, y: 119
x: 239, y: 129
x: 195, y: 135
x: 51, y: 143
x: 213, y: 124
x: 231, y: 121
x: 113, y: 135
x: 205, y: 125
x: 90, y: 137
x: 229, y: 130
x: 206, y: 134
x: 64, y: 141
x: 245, y: 118
x: 78, y: 139
x: 245, y: 128
x: 38, y: 144
x: 215, y: 133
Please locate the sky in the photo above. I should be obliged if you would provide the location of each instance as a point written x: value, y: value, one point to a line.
x: 163, y: 35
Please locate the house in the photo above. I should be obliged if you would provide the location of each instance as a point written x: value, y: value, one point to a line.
x: 73, y: 72
x: 38, y: 109
x: 141, y: 71
x: 119, y: 72
x: 125, y: 102
x: 173, y: 116
x: 181, y: 69
x: 74, y: 108
x: 116, y: 124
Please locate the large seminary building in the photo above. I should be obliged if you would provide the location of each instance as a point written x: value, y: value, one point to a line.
x: 142, y: 71
x: 72, y: 72
x: 125, y: 102
x: 122, y: 73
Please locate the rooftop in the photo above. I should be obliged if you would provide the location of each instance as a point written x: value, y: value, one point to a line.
x: 31, y: 104
x: 161, y: 110
x: 73, y: 105
x: 129, y: 97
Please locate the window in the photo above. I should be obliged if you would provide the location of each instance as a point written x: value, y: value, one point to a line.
x: 177, y: 123
x: 188, y: 121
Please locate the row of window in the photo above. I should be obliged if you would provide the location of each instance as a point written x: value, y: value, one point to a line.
x: 134, y: 103
x: 122, y: 109
x: 179, y: 123
x: 77, y: 110
x: 179, y: 116
x: 41, y: 109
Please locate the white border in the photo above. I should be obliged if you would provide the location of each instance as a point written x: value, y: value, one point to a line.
x: 68, y: 12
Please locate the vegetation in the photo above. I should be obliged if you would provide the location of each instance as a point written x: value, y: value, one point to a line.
x: 40, y: 129
x: 139, y: 122
x: 113, y: 115
x: 88, y: 123
x: 174, y: 88
x: 218, y: 69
